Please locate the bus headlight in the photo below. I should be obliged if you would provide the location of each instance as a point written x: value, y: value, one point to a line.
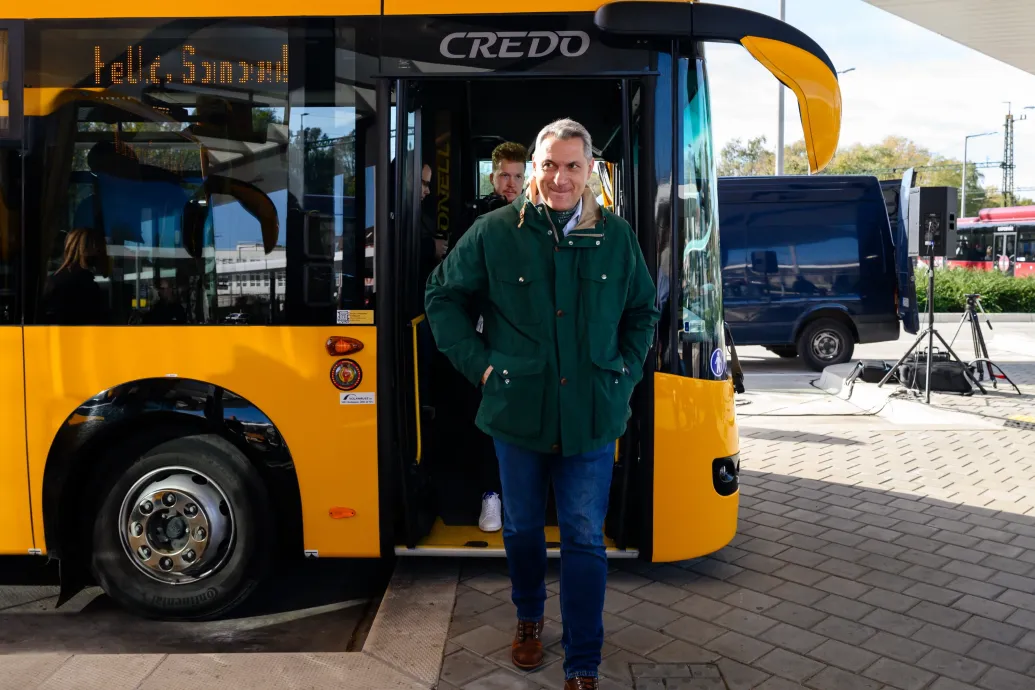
x: 726, y: 475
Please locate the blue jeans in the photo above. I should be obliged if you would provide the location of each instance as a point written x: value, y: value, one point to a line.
x: 581, y: 485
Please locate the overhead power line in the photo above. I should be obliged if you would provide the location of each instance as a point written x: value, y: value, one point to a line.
x: 927, y: 168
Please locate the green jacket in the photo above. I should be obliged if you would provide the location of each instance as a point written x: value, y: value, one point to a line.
x: 568, y: 322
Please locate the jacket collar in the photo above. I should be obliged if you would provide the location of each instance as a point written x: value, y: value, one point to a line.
x: 591, y: 211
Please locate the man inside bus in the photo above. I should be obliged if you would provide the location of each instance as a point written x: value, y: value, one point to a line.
x: 507, y: 179
x: 569, y: 316
x: 508, y: 174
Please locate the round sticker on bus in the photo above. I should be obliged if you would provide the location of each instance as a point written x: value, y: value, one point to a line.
x: 1004, y: 263
x: 346, y: 374
x: 718, y: 363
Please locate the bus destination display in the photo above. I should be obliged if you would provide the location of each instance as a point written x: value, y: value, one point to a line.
x: 189, y: 66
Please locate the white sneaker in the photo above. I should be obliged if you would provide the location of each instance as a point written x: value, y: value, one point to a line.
x: 491, y: 519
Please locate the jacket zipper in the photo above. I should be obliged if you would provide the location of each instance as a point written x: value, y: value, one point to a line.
x: 544, y: 212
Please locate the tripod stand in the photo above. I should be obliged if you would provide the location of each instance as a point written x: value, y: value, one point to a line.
x: 929, y: 333
x: 982, y: 361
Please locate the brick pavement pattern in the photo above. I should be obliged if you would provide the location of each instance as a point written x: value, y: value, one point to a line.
x: 864, y: 560
x: 1002, y: 402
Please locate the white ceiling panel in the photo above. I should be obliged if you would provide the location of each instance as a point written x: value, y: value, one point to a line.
x: 1002, y: 29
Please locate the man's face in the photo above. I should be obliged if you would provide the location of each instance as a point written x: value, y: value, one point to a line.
x: 425, y: 181
x: 509, y: 179
x: 561, y: 171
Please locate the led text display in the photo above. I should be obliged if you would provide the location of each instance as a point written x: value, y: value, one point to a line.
x: 187, y: 66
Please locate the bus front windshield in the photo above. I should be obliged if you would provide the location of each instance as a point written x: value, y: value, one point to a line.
x: 691, y: 337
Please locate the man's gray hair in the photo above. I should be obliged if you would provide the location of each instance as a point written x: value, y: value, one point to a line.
x: 565, y: 129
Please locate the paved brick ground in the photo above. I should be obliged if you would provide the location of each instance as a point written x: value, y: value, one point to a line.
x: 865, y: 560
x: 1002, y: 402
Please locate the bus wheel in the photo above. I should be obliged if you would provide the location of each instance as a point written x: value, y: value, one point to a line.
x: 182, y: 533
x: 825, y: 342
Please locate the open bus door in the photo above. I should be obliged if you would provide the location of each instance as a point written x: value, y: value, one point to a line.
x: 16, y: 537
x: 435, y: 494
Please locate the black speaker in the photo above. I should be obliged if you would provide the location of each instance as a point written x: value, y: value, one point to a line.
x: 932, y: 218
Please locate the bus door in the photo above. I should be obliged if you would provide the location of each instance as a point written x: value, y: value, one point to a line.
x: 16, y: 537
x: 442, y: 130
x: 424, y: 150
x: 407, y: 337
x: 1004, y: 250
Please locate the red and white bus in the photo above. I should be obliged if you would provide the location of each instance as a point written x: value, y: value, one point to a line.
x: 998, y: 239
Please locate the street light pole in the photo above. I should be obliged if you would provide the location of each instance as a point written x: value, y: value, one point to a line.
x: 963, y: 180
x: 779, y: 127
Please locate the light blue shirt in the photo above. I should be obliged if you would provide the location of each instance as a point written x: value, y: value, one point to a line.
x: 574, y: 220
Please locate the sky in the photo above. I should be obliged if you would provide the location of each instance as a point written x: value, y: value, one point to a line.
x: 907, y: 81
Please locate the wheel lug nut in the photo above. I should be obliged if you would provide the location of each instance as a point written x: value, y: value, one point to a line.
x: 200, y: 534
x: 169, y: 499
x: 146, y: 507
x: 144, y: 552
x: 190, y: 556
x: 138, y: 529
x: 191, y: 510
x: 166, y: 563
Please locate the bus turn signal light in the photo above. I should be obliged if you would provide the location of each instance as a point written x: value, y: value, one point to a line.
x: 338, y: 513
x: 338, y: 345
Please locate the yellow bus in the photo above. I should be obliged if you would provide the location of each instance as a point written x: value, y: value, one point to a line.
x: 213, y: 232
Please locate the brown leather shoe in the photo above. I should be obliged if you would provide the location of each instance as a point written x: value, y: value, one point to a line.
x: 582, y: 683
x: 527, y: 648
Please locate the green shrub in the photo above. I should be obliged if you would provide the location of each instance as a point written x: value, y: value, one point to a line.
x: 999, y: 293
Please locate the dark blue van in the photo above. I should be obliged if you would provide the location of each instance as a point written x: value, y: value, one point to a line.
x: 808, y: 265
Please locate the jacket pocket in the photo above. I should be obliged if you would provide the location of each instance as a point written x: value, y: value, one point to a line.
x: 512, y: 397
x: 515, y: 295
x: 612, y: 385
x: 603, y: 293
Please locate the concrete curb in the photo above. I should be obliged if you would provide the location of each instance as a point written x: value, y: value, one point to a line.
x: 403, y: 651
x: 882, y: 402
x: 410, y: 630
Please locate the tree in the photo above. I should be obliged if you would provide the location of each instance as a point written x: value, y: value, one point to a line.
x: 325, y: 158
x: 753, y: 158
x: 887, y: 160
x: 992, y: 197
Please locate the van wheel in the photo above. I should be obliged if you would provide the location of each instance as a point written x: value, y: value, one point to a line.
x: 825, y: 342
x: 183, y: 533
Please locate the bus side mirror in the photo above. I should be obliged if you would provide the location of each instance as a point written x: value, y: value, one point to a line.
x: 252, y: 199
x: 790, y: 55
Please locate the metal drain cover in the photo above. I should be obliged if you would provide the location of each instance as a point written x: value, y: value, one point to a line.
x: 1021, y: 421
x: 677, y: 677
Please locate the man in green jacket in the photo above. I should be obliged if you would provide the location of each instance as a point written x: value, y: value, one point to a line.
x: 569, y: 314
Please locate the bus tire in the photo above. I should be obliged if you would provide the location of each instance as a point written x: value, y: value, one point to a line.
x: 182, y: 532
x: 824, y: 343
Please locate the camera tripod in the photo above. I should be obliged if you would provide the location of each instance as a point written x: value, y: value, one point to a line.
x: 929, y: 333
x: 982, y: 362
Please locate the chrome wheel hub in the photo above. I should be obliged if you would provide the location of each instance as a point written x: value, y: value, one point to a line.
x: 177, y: 525
x: 826, y: 345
